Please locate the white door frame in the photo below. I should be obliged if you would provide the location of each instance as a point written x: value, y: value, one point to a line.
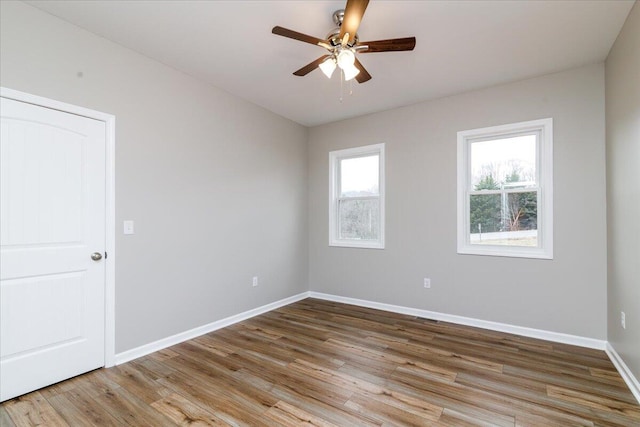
x: 110, y: 247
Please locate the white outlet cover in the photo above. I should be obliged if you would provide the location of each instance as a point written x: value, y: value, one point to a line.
x: 128, y: 227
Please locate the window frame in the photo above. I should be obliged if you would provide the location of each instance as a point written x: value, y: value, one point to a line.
x: 335, y: 157
x: 544, y: 172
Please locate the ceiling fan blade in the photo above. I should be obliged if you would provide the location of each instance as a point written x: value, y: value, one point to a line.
x: 353, y: 13
x: 284, y: 32
x: 391, y: 45
x: 311, y: 66
x: 363, y: 75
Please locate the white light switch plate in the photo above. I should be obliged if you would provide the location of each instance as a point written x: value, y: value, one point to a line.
x: 128, y: 227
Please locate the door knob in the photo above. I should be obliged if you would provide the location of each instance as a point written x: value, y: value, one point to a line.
x: 96, y: 256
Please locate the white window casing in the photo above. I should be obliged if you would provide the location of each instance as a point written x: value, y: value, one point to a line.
x: 373, y: 218
x: 541, y: 184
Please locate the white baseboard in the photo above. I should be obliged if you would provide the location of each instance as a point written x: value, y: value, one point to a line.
x: 622, y: 368
x: 625, y: 372
x: 163, y: 343
x: 468, y: 321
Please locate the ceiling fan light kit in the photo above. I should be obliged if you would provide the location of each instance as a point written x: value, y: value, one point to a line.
x: 328, y: 66
x: 345, y: 59
x: 350, y: 73
x: 343, y: 44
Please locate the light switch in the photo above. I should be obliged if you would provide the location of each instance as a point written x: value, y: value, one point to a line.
x: 128, y: 227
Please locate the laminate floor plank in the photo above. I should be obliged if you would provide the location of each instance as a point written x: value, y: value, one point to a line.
x: 64, y: 386
x: 509, y: 400
x: 331, y: 353
x: 323, y: 363
x: 609, y: 374
x: 477, y: 403
x: 290, y: 416
x: 609, y: 409
x: 219, y: 404
x: 301, y: 351
x: 453, y: 418
x: 5, y: 418
x: 520, y: 398
x: 551, y: 360
x: 224, y: 384
x: 185, y: 413
x: 460, y: 362
x: 346, y: 329
x: 603, y: 386
x: 133, y: 380
x: 33, y: 410
x: 79, y: 410
x: 387, y: 414
x: 215, y: 344
x: 372, y: 391
x: 340, y: 415
x: 298, y: 383
x: 128, y: 409
x: 163, y: 354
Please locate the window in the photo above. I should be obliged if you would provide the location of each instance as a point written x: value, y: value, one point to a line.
x: 505, y: 190
x: 356, y: 206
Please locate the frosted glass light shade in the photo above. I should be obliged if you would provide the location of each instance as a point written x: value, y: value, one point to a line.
x: 328, y: 66
x: 346, y: 58
x: 350, y: 72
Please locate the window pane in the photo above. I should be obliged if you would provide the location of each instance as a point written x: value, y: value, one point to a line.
x: 504, y: 163
x: 509, y: 219
x: 359, y: 219
x: 485, y: 214
x: 359, y: 176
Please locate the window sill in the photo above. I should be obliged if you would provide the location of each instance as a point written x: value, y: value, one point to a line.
x: 510, y: 252
x: 356, y: 244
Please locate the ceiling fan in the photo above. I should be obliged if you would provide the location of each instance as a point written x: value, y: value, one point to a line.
x: 343, y: 44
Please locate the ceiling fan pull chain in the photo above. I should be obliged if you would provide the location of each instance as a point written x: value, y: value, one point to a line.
x: 350, y: 87
x: 341, y: 83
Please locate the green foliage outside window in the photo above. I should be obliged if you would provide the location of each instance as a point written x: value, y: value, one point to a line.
x: 502, y: 212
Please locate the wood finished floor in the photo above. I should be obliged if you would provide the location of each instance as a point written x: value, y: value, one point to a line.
x: 321, y: 363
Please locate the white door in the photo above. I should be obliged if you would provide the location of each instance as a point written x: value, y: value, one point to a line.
x: 52, y: 215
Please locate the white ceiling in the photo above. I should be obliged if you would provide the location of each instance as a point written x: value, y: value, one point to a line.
x: 461, y: 45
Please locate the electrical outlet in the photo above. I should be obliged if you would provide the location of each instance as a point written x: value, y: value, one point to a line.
x: 427, y: 282
x: 255, y: 280
x: 623, y: 320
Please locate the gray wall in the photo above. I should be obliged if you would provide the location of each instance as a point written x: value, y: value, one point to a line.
x: 623, y: 190
x: 216, y: 185
x: 220, y: 190
x: 566, y: 294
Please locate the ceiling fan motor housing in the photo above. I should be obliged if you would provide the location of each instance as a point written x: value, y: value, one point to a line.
x: 333, y: 36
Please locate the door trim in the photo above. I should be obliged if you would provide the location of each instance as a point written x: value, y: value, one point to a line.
x: 110, y: 247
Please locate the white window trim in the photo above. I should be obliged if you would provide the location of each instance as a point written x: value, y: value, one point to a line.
x: 334, y: 185
x: 544, y: 250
